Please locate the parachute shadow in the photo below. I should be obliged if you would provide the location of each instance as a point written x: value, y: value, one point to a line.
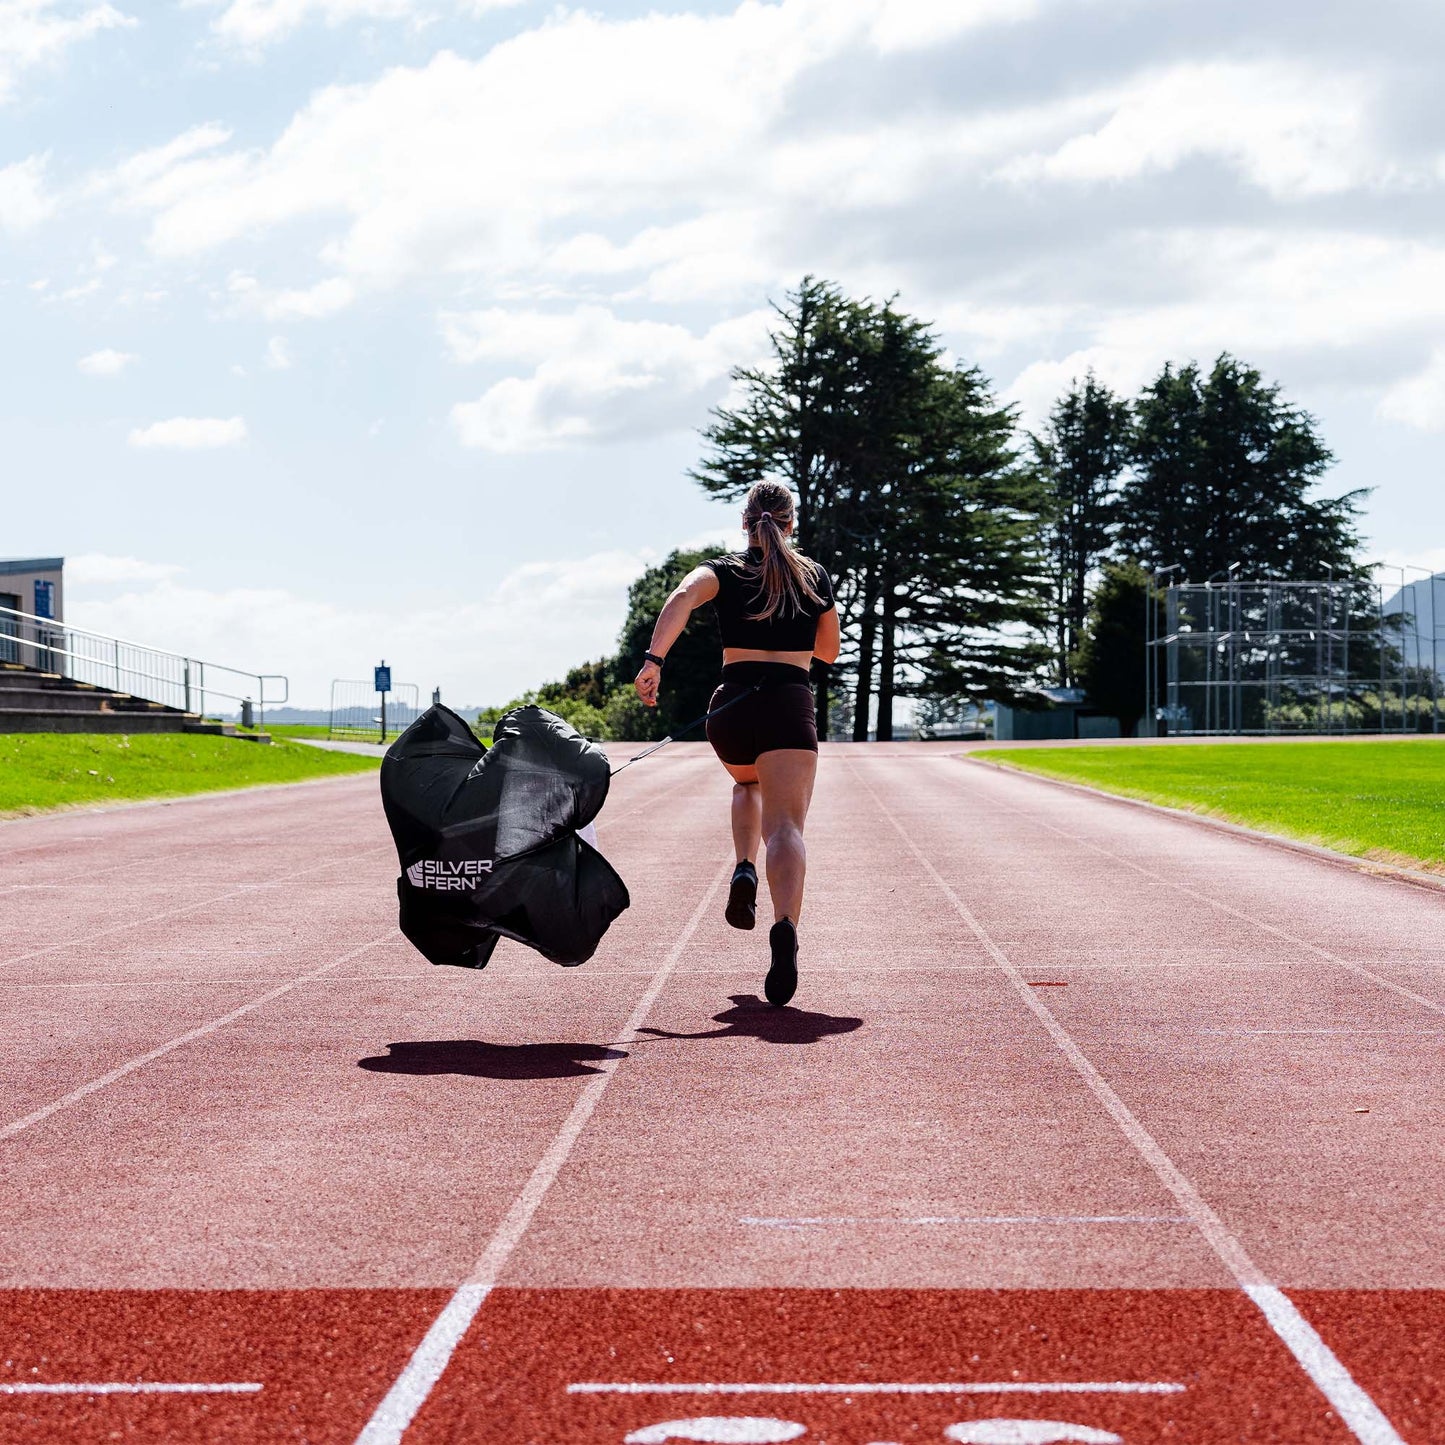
x: 476, y: 1059
x: 751, y: 1018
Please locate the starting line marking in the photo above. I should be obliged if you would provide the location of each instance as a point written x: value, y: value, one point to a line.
x: 129, y: 1388
x: 826, y: 1220
x: 873, y: 1387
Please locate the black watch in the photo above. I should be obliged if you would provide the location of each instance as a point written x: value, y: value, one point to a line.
x: 652, y: 657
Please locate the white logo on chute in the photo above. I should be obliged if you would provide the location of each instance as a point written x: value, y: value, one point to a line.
x: 448, y: 877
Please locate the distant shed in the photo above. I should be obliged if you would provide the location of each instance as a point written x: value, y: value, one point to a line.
x: 1060, y: 712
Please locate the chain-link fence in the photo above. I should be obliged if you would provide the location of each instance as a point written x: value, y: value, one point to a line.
x: 1279, y: 656
x: 357, y: 711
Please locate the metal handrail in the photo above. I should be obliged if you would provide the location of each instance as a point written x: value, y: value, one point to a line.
x: 180, y: 681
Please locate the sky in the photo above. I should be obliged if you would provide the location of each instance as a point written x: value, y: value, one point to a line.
x: 335, y: 330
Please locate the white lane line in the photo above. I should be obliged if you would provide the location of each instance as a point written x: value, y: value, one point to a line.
x: 828, y: 1220
x: 9, y: 1131
x: 1358, y: 969
x: 875, y: 1387
x: 407, y: 1395
x: 1355, y: 1408
x: 140, y: 1387
x: 279, y: 881
x: 1406, y: 1033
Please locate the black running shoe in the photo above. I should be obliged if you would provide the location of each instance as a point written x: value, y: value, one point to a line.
x: 782, y: 980
x: 742, y: 909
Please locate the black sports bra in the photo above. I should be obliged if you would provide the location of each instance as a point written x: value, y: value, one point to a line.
x: 738, y: 594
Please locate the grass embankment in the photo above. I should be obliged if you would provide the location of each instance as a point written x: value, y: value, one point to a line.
x: 1384, y: 801
x: 39, y: 771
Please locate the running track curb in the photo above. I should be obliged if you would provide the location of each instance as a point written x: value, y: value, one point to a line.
x: 1429, y: 881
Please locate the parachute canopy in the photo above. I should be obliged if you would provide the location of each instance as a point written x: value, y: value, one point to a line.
x: 487, y: 838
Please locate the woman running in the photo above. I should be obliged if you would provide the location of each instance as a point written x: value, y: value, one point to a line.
x: 776, y: 611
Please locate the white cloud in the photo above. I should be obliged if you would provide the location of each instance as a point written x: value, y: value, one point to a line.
x: 311, y: 303
x: 572, y: 128
x: 1419, y: 400
x: 33, y: 32
x: 474, y: 649
x: 256, y: 23
x: 99, y: 569
x: 278, y: 354
x: 107, y: 362
x: 24, y: 201
x: 191, y: 433
x: 1287, y: 127
x: 595, y: 377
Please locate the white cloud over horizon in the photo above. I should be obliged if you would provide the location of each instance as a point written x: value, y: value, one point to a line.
x: 574, y: 607
x: 190, y: 433
x: 36, y: 32
x: 24, y: 200
x: 595, y: 377
x: 107, y: 362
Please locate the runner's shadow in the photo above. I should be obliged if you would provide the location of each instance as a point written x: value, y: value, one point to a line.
x: 480, y: 1060
x: 751, y: 1018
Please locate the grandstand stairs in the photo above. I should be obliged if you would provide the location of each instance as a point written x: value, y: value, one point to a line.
x: 32, y: 701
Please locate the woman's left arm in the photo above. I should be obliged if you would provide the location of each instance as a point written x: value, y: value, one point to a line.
x: 699, y: 586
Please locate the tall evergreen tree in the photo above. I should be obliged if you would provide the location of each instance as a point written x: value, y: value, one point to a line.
x: 793, y: 423
x: 1221, y: 469
x: 1080, y: 454
x: 1111, y: 663
x: 909, y: 493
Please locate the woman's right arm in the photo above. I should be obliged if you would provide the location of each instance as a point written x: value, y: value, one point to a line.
x: 828, y: 638
x: 699, y: 586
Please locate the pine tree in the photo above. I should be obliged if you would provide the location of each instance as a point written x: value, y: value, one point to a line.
x: 1080, y: 454
x: 1220, y: 472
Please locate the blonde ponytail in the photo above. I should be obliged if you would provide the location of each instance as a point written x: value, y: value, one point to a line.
x: 787, y: 577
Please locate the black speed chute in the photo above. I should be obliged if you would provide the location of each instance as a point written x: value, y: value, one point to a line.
x: 487, y: 838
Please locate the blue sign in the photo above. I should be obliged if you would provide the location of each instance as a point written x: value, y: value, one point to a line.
x: 383, y: 678
x: 44, y: 598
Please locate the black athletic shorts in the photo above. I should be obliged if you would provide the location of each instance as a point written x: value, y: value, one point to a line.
x: 780, y: 714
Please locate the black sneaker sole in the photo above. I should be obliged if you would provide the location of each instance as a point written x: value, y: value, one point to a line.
x: 782, y: 980
x: 742, y: 909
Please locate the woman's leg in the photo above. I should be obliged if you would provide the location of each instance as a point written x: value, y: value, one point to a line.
x: 747, y: 813
x: 785, y: 780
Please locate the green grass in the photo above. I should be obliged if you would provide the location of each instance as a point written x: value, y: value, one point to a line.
x: 1379, y: 800
x: 40, y: 771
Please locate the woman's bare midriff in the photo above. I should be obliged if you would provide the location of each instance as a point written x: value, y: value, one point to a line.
x: 757, y: 654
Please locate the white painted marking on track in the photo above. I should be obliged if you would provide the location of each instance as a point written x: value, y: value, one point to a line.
x: 1407, y: 1033
x: 719, y: 1430
x: 877, y: 1387
x: 407, y: 1395
x: 1356, y: 968
x: 828, y: 1221
x: 1359, y: 1413
x: 1028, y: 1432
x: 36, y: 1116
x: 128, y: 1387
x: 280, y: 881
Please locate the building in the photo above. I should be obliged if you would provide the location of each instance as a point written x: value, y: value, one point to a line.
x: 33, y: 586
x: 1060, y: 712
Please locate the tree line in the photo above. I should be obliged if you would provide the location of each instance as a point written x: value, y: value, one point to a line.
x: 972, y: 559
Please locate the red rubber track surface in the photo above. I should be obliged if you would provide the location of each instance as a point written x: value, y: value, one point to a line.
x: 252, y: 1143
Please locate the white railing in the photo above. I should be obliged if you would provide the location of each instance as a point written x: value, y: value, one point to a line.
x: 132, y: 667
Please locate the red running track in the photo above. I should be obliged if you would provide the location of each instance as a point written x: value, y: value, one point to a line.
x: 269, y: 1176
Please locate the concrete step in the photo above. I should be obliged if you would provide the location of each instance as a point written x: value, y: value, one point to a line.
x: 14, y: 699
x: 35, y: 720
